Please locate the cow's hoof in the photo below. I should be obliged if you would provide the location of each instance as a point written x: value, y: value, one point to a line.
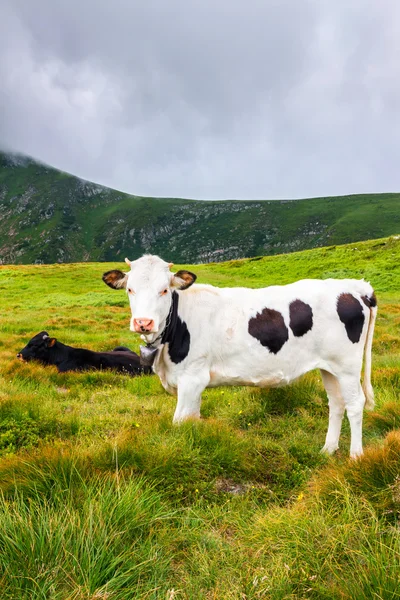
x: 184, y: 418
x: 356, y: 454
x: 329, y: 449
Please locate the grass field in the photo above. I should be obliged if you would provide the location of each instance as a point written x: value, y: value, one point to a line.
x: 102, y: 498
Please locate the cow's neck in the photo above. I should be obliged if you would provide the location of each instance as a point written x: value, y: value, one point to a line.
x: 148, y: 352
x: 58, y: 353
x: 172, y: 319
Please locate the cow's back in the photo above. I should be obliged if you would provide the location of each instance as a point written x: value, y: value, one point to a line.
x: 272, y: 335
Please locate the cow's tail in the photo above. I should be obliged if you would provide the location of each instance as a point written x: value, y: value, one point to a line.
x: 367, y: 386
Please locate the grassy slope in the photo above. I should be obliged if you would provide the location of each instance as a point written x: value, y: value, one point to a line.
x: 103, y: 498
x: 50, y: 216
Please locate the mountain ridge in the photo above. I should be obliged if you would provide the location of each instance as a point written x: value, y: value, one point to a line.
x: 47, y: 215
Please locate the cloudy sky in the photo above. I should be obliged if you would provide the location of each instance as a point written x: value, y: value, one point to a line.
x: 206, y: 98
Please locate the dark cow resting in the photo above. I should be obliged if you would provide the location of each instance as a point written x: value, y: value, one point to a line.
x: 50, y: 351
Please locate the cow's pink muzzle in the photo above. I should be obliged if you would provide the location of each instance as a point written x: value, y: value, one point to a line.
x: 143, y: 325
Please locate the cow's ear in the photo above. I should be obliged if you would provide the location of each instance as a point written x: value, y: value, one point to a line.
x: 50, y: 342
x: 183, y: 279
x: 115, y: 279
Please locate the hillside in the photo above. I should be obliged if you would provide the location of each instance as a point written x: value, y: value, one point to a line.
x: 48, y: 216
x: 101, y: 497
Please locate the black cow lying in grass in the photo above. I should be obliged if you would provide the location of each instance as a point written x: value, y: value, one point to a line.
x: 49, y: 351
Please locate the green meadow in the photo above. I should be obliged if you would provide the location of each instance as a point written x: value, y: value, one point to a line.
x: 102, y: 498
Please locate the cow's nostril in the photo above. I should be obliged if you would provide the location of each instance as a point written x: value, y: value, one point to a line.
x: 143, y: 325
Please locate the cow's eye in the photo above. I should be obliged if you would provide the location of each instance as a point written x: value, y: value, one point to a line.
x: 164, y: 292
x: 130, y: 291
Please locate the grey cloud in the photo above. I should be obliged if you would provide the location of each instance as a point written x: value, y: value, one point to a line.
x: 231, y: 99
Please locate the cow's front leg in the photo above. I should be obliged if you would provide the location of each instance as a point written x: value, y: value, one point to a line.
x: 190, y: 388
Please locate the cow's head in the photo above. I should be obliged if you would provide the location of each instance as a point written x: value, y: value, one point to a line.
x: 38, y: 347
x: 149, y: 285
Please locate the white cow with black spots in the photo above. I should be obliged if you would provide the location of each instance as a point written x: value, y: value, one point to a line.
x: 204, y: 336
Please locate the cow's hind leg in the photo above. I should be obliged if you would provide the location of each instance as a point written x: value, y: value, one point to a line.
x: 336, y: 411
x: 354, y: 401
x: 190, y: 388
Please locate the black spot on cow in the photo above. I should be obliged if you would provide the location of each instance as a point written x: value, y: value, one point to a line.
x: 301, y: 317
x: 351, y: 314
x: 176, y: 333
x: 269, y: 328
x: 369, y: 301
